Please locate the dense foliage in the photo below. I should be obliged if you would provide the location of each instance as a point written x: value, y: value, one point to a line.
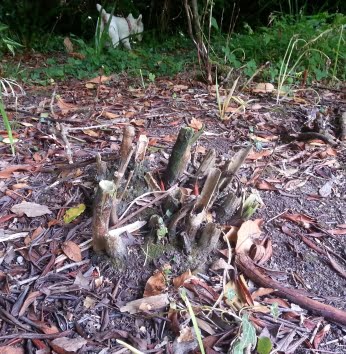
x: 243, y: 36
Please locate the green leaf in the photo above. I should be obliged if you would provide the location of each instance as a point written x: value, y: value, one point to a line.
x: 274, y: 310
x: 151, y: 77
x: 73, y: 213
x: 214, y: 23
x: 264, y: 345
x: 247, y: 338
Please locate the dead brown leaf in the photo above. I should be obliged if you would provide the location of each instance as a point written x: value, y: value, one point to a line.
x: 19, y: 186
x: 6, y: 218
x: 65, y: 345
x: 221, y: 264
x: 265, y: 186
x: 337, y: 266
x: 200, y: 149
x: 179, y: 281
x: 146, y: 304
x: 30, y: 209
x: 261, y: 292
x: 72, y: 251
x: 202, y: 289
x: 279, y: 301
x: 300, y: 219
x: 100, y: 79
x: 339, y: 231
x: 262, y: 252
x: 77, y: 55
x: 264, y: 87
x: 231, y: 234
x: 91, y: 133
x: 244, y: 290
x: 28, y: 301
x: 110, y: 115
x: 236, y: 300
x: 136, y: 122
x: 196, y: 124
x: 248, y: 231
x: 320, y: 336
x: 65, y: 106
x: 329, y: 151
x: 11, y: 350
x: 68, y: 45
x: 256, y: 107
x: 256, y: 155
x: 155, y: 285
x: 7, y: 172
x: 178, y: 88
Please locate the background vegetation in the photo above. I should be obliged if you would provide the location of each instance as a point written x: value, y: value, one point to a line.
x: 249, y: 37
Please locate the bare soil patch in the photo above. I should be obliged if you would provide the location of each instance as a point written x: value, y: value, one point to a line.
x: 49, y: 292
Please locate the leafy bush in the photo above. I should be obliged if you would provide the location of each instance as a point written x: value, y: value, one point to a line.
x: 319, y: 34
x: 6, y: 43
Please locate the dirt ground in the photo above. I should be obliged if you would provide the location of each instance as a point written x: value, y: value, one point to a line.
x: 45, y: 292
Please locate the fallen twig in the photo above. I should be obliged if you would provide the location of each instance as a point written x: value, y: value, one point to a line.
x: 258, y: 276
x: 36, y: 335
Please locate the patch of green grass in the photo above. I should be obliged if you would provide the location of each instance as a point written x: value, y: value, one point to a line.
x: 152, y: 60
x: 319, y: 49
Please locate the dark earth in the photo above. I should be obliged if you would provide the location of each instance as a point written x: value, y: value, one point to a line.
x: 297, y: 176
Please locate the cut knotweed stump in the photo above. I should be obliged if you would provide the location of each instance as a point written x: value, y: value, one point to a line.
x: 182, y: 221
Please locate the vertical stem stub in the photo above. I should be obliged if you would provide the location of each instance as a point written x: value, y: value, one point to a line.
x: 180, y: 156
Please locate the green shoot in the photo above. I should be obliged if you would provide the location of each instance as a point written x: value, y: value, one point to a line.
x: 285, y: 71
x: 142, y: 79
x: 7, y: 124
x: 194, y: 321
x: 101, y: 38
x: 222, y: 106
x: 337, y: 53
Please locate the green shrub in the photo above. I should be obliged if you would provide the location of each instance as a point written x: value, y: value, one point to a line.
x: 319, y: 34
x: 6, y: 43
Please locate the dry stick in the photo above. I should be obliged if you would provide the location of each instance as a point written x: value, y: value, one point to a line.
x: 7, y: 317
x: 180, y: 156
x: 101, y: 167
x: 87, y: 162
x: 343, y: 126
x: 121, y: 222
x: 102, y: 208
x: 261, y: 68
x: 189, y: 22
x: 67, y: 266
x: 64, y: 132
x: 129, y: 178
x: 259, y: 277
x: 52, y: 102
x: 126, y: 152
x: 327, y: 138
x: 105, y: 125
x: 36, y: 335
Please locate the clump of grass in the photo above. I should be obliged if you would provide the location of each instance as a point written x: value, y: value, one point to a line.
x: 7, y: 125
x: 12, y: 89
x: 311, y: 43
x: 153, y: 61
x: 286, y: 71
